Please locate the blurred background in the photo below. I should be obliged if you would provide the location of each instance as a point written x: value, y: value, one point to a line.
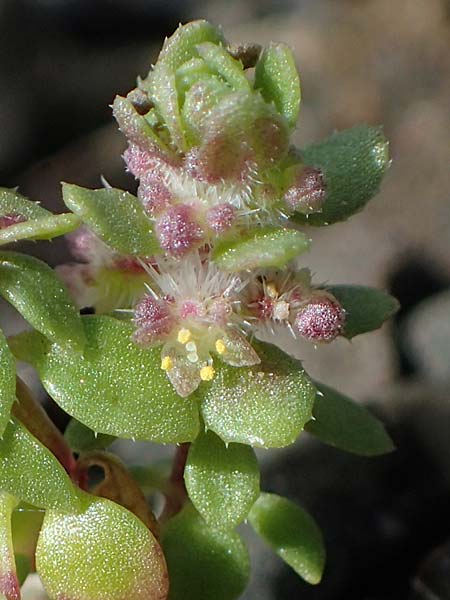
x: 386, y: 521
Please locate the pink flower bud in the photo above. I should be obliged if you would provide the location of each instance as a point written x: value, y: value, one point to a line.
x: 178, y: 231
x: 221, y: 217
x: 320, y: 320
x: 154, y: 195
x: 11, y: 219
x: 140, y: 161
x: 153, y: 319
x: 307, y: 194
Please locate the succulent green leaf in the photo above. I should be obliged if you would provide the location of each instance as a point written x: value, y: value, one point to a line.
x: 99, y: 552
x: 24, y: 567
x: 242, y: 124
x: 353, y: 162
x: 115, y: 387
x: 31, y: 473
x: 189, y: 73
x: 222, y: 481
x: 342, y: 423
x: 82, y: 439
x: 366, y: 308
x: 9, y: 584
x: 264, y: 406
x: 117, y: 217
x: 292, y: 533
x: 38, y: 294
x: 199, y: 100
x: 268, y: 247
x: 136, y: 127
x: 162, y: 89
x: 11, y: 202
x: 277, y: 77
x: 181, y: 46
x: 7, y: 382
x: 203, y: 562
x: 26, y: 524
x: 220, y: 61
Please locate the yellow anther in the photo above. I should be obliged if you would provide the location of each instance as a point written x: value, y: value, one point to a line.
x: 271, y: 290
x: 220, y: 347
x: 207, y: 373
x: 184, y: 335
x: 166, y: 363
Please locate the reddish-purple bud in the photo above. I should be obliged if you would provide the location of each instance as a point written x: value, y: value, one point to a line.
x: 264, y: 308
x: 153, y: 319
x: 308, y: 192
x: 221, y: 217
x: 320, y: 320
x: 140, y: 161
x: 11, y: 219
x: 178, y: 231
x: 154, y: 195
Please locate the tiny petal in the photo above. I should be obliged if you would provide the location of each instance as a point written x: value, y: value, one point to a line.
x: 153, y: 319
x: 184, y: 375
x: 221, y: 217
x: 238, y: 351
x: 177, y: 230
x: 307, y: 194
x: 154, y: 194
x: 320, y: 320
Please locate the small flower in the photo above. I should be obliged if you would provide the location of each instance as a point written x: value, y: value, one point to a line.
x: 193, y: 311
x: 103, y: 279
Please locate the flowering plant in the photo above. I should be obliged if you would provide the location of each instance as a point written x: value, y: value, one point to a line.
x: 200, y: 292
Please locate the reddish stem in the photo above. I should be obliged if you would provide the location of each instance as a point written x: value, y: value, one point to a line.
x: 176, y: 495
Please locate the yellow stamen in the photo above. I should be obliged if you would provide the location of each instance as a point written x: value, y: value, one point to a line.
x: 220, y: 347
x: 207, y: 373
x: 271, y: 290
x: 184, y: 335
x: 166, y: 363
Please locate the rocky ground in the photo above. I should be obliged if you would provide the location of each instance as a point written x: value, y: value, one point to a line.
x: 379, y: 61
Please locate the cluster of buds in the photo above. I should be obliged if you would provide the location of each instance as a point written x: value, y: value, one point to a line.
x: 210, y: 148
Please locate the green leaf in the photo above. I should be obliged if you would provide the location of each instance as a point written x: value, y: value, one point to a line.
x: 81, y: 438
x: 263, y: 248
x: 9, y: 584
x: 353, y: 162
x: 116, y: 387
x: 117, y: 217
x: 24, y: 567
x: 204, y: 563
x: 38, y: 223
x: 31, y: 473
x: 11, y: 202
x: 264, y: 406
x: 222, y: 481
x: 342, y: 423
x: 136, y: 127
x: 7, y: 382
x: 292, y: 533
x: 40, y: 297
x: 366, y: 308
x: 277, y: 77
x: 181, y: 46
x: 100, y: 551
x: 220, y: 61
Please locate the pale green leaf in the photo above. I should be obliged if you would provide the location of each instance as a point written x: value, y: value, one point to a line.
x: 117, y: 217
x: 277, y: 77
x: 29, y: 471
x: 40, y: 297
x: 204, y: 563
x: 265, y: 406
x: 342, y: 423
x: 261, y: 248
x: 115, y: 387
x: 222, y: 481
x: 7, y: 382
x: 366, y: 308
x: 292, y: 533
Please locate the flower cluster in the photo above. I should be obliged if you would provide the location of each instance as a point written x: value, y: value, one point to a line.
x: 210, y: 148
